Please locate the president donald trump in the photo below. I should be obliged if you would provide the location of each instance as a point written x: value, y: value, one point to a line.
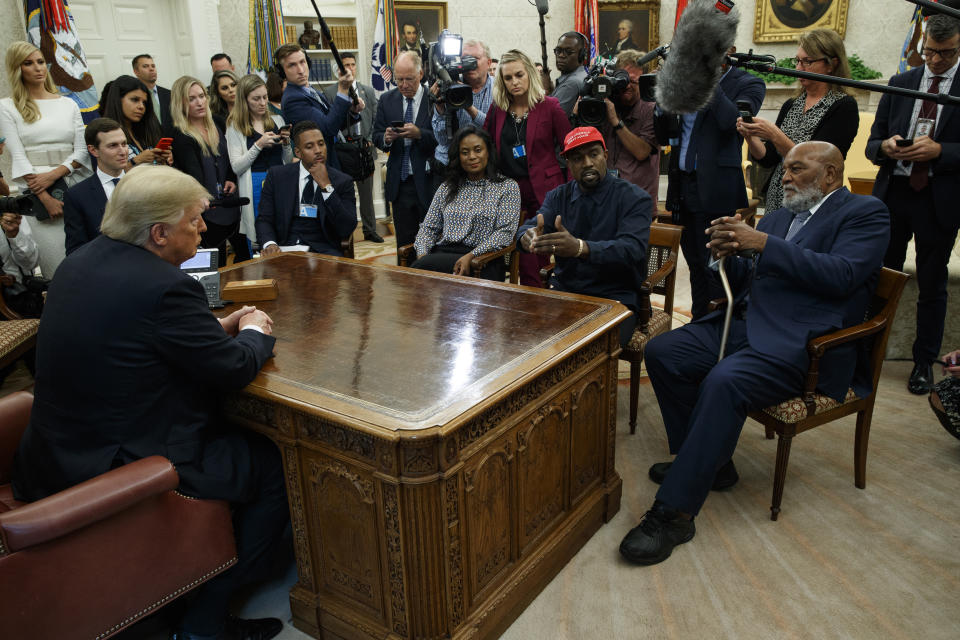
x: 131, y: 363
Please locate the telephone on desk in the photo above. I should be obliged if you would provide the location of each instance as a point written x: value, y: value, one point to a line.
x: 203, y: 268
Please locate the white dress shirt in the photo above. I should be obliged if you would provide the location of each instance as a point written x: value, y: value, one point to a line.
x: 904, y: 168
x: 106, y: 180
x: 302, y: 182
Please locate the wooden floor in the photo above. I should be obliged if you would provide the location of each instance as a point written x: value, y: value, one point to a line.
x: 881, y: 563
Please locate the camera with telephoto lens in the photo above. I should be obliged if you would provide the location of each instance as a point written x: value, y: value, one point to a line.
x: 603, y: 81
x: 445, y: 66
x: 15, y: 204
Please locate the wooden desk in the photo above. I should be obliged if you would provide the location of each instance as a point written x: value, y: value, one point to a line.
x: 861, y: 182
x: 448, y: 443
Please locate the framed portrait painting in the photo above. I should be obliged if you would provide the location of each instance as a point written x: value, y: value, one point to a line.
x: 784, y: 20
x: 627, y: 25
x: 416, y: 20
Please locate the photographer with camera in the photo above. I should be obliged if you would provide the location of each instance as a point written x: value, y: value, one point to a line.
x: 20, y: 256
x: 627, y: 128
x: 481, y: 86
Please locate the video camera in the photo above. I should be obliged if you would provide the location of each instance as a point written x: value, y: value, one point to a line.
x: 603, y: 81
x: 446, y: 64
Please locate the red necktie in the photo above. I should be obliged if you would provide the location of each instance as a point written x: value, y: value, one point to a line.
x: 918, y: 175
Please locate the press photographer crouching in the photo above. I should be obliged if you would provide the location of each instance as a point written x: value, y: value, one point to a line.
x: 22, y: 292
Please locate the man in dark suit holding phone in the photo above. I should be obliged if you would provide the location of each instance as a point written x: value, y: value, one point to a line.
x: 706, y: 179
x: 403, y: 128
x: 84, y: 203
x: 306, y: 202
x: 917, y: 145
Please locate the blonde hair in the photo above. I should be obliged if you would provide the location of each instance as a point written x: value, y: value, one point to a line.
x: 535, y: 93
x: 179, y: 95
x: 239, y: 118
x: 17, y: 52
x: 149, y: 195
x: 826, y: 43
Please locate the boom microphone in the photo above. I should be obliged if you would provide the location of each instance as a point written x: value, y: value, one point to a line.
x: 543, y: 6
x: 688, y: 79
x: 659, y: 52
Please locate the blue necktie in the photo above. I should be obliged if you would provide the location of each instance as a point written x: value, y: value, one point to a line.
x: 114, y: 181
x: 405, y: 158
x: 308, y: 192
x: 799, y: 219
x: 319, y: 98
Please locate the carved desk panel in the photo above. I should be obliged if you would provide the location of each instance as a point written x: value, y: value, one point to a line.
x: 448, y: 443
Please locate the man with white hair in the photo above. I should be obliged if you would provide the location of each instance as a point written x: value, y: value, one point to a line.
x: 131, y: 363
x: 816, y: 266
x: 402, y: 128
x: 480, y: 82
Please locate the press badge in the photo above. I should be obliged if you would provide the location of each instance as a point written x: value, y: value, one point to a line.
x: 308, y: 211
x: 520, y: 151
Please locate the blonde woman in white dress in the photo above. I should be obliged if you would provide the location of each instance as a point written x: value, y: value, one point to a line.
x: 44, y: 133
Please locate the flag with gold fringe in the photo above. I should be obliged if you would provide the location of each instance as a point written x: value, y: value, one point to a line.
x: 586, y: 21
x: 51, y: 28
x: 266, y: 34
x: 385, y: 43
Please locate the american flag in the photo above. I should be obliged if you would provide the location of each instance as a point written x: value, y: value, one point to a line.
x: 384, y: 47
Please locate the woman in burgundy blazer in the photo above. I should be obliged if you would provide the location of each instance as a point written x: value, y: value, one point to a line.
x: 527, y: 127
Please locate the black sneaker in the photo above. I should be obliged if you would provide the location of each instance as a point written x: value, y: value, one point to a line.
x: 726, y: 477
x: 921, y: 379
x: 652, y: 541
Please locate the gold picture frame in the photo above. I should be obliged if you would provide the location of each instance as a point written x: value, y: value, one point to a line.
x: 645, y: 14
x: 429, y: 17
x: 785, y: 20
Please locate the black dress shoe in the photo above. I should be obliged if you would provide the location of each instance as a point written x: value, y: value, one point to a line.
x: 726, y: 477
x: 921, y: 379
x: 652, y: 541
x: 258, y: 629
x: 239, y: 629
x: 373, y: 236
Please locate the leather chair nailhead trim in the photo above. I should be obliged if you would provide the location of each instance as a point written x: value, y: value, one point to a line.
x: 162, y: 601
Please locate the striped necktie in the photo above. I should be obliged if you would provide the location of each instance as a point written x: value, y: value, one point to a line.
x: 799, y: 219
x: 405, y: 158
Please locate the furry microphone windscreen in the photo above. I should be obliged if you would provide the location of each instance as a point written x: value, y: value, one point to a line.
x: 692, y: 71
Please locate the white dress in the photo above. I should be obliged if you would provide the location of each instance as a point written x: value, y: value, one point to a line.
x: 55, y: 139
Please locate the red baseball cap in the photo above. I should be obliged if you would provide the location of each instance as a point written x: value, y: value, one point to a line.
x: 581, y: 136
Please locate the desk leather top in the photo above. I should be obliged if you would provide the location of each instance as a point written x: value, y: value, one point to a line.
x: 387, y: 347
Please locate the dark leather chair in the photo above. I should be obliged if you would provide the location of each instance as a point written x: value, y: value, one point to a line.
x: 813, y: 409
x: 662, y: 252
x: 93, y: 559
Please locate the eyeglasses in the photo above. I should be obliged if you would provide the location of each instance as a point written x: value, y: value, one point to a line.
x: 564, y: 52
x: 944, y: 54
x: 806, y: 62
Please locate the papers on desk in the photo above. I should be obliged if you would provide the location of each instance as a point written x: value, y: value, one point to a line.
x: 295, y: 247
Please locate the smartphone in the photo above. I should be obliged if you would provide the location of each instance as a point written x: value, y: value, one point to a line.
x: 904, y: 143
x: 397, y: 124
x: 286, y: 128
x: 164, y: 143
x: 744, y: 108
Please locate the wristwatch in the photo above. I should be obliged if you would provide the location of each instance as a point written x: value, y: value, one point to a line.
x: 328, y: 189
x: 619, y: 126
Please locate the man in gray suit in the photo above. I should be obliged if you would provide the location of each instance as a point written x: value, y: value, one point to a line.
x: 367, y: 94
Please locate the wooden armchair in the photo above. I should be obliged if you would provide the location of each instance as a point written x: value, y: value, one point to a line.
x: 813, y: 409
x: 346, y: 247
x: 662, y: 252
x: 93, y: 559
x: 18, y: 335
x: 406, y: 256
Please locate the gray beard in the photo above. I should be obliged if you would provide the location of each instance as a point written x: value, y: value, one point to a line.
x: 802, y: 199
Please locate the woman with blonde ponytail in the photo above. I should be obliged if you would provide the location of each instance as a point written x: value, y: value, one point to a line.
x: 44, y: 133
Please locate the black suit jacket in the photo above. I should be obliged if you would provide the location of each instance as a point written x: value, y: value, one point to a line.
x: 188, y: 157
x: 83, y: 207
x: 280, y: 204
x: 389, y: 110
x: 717, y: 145
x: 893, y: 116
x: 130, y: 363
x: 163, y: 95
x: 329, y: 116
